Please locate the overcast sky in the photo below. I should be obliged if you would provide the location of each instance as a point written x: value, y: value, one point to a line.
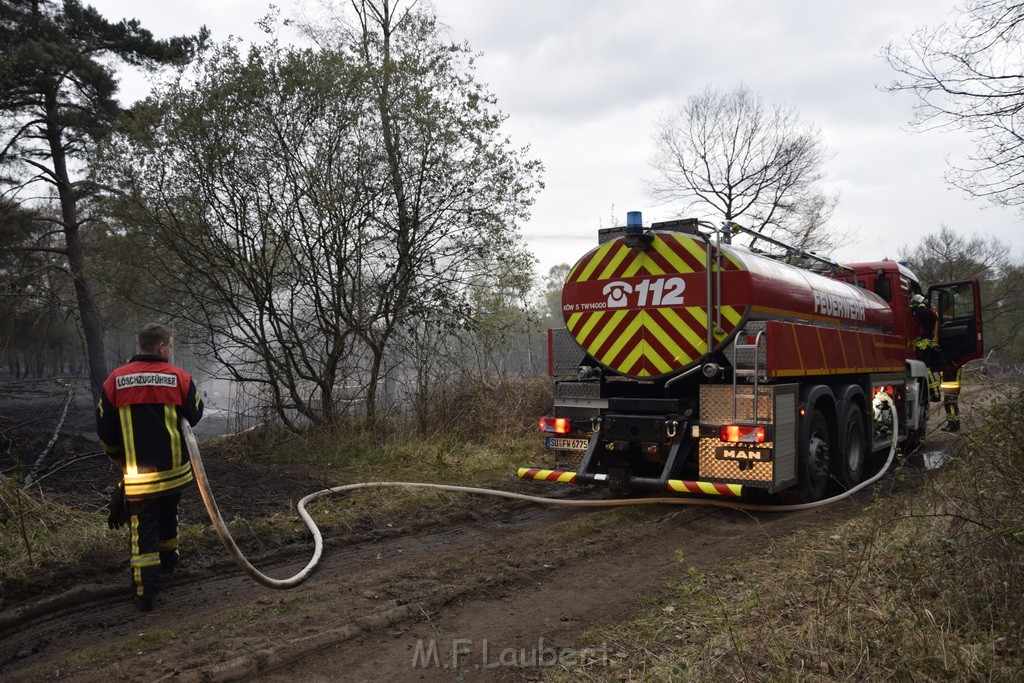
x: 583, y: 82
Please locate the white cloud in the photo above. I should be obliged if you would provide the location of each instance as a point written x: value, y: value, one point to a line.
x: 584, y: 80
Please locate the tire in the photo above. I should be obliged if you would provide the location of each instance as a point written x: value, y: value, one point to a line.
x: 813, y: 467
x: 848, y: 461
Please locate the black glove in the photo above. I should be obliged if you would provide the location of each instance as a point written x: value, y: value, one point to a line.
x: 118, y: 516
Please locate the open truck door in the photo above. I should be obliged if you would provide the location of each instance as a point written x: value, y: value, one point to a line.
x: 959, y: 308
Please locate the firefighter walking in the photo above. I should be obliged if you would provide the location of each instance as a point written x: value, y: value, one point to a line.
x: 138, y: 419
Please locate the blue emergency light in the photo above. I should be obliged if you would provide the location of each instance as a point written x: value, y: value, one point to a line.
x: 634, y: 222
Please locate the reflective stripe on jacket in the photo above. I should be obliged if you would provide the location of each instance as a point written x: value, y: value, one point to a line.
x: 138, y: 420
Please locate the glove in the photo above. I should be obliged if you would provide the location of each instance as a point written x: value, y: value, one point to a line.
x: 118, y: 516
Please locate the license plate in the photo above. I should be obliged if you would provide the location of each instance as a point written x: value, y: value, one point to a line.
x: 566, y: 444
x: 743, y: 453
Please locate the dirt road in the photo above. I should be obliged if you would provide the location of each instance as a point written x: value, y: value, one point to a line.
x: 483, y: 591
x: 472, y: 589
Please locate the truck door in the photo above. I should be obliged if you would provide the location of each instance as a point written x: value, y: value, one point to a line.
x: 959, y: 307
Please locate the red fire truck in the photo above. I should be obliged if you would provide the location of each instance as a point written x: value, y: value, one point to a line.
x: 693, y: 365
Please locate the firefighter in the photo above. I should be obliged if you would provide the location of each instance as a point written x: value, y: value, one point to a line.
x: 138, y: 418
x: 951, y: 399
x: 927, y: 340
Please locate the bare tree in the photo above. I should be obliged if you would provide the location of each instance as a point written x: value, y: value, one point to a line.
x: 455, y: 189
x: 307, y: 207
x: 246, y: 181
x: 735, y: 155
x: 966, y: 75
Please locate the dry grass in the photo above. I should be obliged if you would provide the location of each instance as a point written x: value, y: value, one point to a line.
x: 37, y: 534
x: 488, y: 440
x: 926, y: 587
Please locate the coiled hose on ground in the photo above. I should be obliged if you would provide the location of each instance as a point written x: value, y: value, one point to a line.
x: 318, y: 543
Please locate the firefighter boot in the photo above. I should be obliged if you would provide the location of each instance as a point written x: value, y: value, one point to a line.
x: 952, y: 416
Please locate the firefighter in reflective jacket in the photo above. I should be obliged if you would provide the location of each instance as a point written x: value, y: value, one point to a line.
x: 927, y: 341
x: 138, y: 420
x: 950, y: 388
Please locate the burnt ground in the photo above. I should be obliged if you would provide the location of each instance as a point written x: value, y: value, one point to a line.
x: 474, y: 589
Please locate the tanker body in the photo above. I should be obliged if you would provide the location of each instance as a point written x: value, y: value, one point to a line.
x: 691, y: 365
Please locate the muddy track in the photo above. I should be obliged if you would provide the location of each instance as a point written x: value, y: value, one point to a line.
x: 475, y: 589
x: 510, y: 577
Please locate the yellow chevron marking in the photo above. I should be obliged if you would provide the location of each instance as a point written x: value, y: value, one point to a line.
x: 633, y: 357
x: 705, y: 487
x: 660, y: 334
x: 698, y: 343
x: 666, y: 341
x: 563, y: 477
x: 731, y: 314
x: 580, y: 324
x: 627, y: 337
x: 691, y: 246
x: 652, y: 266
x: 672, y: 257
x: 598, y: 256
x: 660, y: 364
x: 638, y: 264
x: 700, y: 314
x: 730, y: 259
x: 606, y: 331
x: 614, y: 264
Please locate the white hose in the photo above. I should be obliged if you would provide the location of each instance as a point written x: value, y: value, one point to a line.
x: 318, y: 543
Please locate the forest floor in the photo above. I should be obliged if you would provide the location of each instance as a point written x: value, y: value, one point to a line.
x: 466, y: 589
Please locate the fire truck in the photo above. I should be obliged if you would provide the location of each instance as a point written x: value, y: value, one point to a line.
x: 692, y: 365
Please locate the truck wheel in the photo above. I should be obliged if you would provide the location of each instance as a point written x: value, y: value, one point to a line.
x: 813, y: 468
x: 848, y: 465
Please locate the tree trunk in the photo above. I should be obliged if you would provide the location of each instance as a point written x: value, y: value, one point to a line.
x: 87, y: 309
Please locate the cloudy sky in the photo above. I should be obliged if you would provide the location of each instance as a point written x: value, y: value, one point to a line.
x: 584, y: 81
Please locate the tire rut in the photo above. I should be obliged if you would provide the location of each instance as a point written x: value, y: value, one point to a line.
x: 70, y: 623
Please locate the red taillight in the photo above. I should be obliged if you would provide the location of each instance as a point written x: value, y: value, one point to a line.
x: 558, y: 425
x: 742, y: 434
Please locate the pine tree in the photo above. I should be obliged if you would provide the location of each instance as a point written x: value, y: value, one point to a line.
x: 57, y: 98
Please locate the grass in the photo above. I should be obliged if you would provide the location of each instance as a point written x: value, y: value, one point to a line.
x: 34, y: 535
x: 35, y: 543
x: 925, y: 586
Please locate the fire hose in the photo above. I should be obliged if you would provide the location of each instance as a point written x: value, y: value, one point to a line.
x: 318, y: 545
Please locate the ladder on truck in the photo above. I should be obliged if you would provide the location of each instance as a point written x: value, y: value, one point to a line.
x: 754, y: 372
x: 714, y: 303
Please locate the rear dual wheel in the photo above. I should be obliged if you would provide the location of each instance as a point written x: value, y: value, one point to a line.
x: 848, y: 465
x: 813, y: 464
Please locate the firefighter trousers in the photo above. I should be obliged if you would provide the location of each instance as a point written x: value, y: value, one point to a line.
x: 154, y: 541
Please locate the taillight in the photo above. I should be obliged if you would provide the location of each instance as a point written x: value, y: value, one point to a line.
x: 558, y: 425
x: 742, y: 434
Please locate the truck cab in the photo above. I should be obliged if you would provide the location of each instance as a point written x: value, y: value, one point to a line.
x: 957, y: 304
